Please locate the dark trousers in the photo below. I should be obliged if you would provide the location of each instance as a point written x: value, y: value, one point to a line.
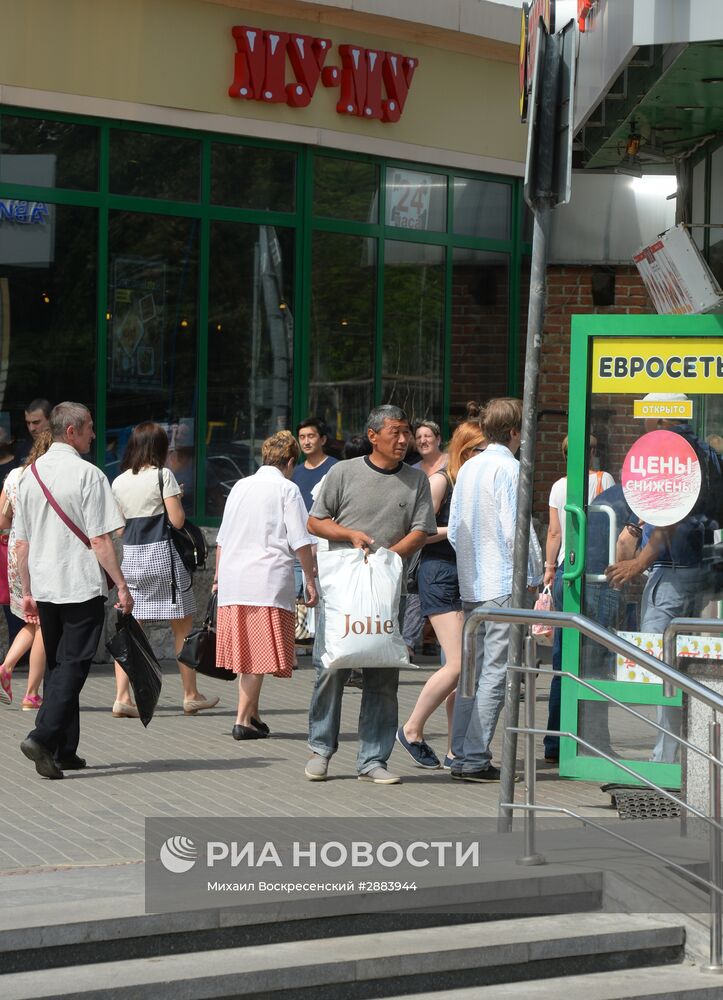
x: 71, y: 633
x: 14, y: 625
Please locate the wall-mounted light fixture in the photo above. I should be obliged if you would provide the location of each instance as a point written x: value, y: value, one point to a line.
x: 630, y: 163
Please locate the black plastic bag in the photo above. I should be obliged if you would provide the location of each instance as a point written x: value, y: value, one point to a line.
x: 130, y: 647
x: 199, y: 648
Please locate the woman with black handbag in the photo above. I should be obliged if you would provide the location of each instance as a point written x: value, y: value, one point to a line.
x: 149, y: 498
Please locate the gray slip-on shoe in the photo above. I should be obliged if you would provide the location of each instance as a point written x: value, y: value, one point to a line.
x: 381, y: 776
x: 316, y: 768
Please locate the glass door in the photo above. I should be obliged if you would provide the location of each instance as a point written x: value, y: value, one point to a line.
x: 648, y: 548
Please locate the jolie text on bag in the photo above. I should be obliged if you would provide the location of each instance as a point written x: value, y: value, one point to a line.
x: 361, y: 609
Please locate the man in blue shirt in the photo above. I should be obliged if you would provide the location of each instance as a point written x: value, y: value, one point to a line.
x: 482, y: 532
x: 311, y: 435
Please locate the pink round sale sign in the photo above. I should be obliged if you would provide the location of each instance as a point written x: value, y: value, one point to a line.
x: 661, y: 478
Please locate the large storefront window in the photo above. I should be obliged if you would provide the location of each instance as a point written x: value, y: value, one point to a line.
x: 152, y: 337
x: 482, y: 208
x: 154, y: 166
x: 345, y: 189
x: 341, y: 348
x: 414, y: 328
x: 227, y: 287
x: 480, y: 291
x: 49, y: 153
x: 250, y: 350
x: 244, y: 177
x: 48, y: 270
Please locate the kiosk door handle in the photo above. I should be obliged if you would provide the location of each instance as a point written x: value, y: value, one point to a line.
x: 577, y: 562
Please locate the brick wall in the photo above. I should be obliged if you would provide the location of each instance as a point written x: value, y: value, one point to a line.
x: 479, y: 356
x: 569, y: 293
x: 480, y: 293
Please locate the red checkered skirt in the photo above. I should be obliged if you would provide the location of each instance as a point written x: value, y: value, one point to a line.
x: 255, y: 640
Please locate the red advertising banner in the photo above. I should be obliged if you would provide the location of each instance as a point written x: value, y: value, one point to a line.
x: 661, y: 478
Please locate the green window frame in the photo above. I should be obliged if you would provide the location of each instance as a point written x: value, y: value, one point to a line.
x: 304, y: 222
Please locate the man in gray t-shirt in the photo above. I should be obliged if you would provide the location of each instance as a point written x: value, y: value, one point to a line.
x: 370, y: 502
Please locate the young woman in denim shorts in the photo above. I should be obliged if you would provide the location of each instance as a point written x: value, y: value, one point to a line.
x: 440, y: 601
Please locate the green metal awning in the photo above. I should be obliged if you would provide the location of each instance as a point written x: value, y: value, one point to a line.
x: 672, y: 96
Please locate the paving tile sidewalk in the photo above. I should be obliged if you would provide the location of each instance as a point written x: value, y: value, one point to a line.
x: 190, y: 766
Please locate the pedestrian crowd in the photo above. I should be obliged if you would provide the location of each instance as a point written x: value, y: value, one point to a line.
x: 449, y: 519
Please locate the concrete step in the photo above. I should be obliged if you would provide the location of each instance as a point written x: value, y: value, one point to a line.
x: 373, y: 965
x: 666, y: 982
x: 35, y: 932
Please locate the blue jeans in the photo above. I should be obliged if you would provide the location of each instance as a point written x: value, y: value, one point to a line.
x: 671, y: 592
x: 298, y: 580
x: 552, y: 743
x: 605, y: 606
x: 378, y: 714
x: 475, y: 719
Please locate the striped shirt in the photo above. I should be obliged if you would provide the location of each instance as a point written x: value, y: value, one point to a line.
x: 482, y: 526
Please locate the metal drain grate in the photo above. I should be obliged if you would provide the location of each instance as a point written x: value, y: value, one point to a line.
x: 641, y: 803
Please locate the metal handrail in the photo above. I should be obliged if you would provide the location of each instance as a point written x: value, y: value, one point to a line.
x: 618, y: 704
x: 613, y: 642
x: 566, y: 619
x: 618, y: 836
x: 623, y: 767
x: 678, y: 625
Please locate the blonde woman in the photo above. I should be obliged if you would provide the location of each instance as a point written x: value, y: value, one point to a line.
x: 428, y: 442
x: 440, y: 602
x: 263, y: 529
x: 29, y: 637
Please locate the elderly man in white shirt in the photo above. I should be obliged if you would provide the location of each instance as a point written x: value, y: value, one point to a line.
x: 482, y: 531
x: 65, y: 573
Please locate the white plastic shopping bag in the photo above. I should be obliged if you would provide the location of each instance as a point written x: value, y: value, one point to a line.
x: 544, y: 633
x: 361, y: 609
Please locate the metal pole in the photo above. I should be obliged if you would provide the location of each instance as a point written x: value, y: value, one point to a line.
x: 670, y: 655
x: 543, y: 198
x: 530, y: 857
x: 715, y: 876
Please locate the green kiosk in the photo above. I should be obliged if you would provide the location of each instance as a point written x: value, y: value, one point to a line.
x: 650, y: 390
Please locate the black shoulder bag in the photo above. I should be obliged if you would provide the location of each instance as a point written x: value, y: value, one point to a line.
x: 188, y: 541
x: 199, y: 647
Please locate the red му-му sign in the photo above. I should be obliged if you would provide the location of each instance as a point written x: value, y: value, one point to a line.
x: 373, y: 84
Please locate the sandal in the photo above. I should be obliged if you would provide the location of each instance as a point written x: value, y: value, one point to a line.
x: 31, y: 703
x: 6, y: 688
